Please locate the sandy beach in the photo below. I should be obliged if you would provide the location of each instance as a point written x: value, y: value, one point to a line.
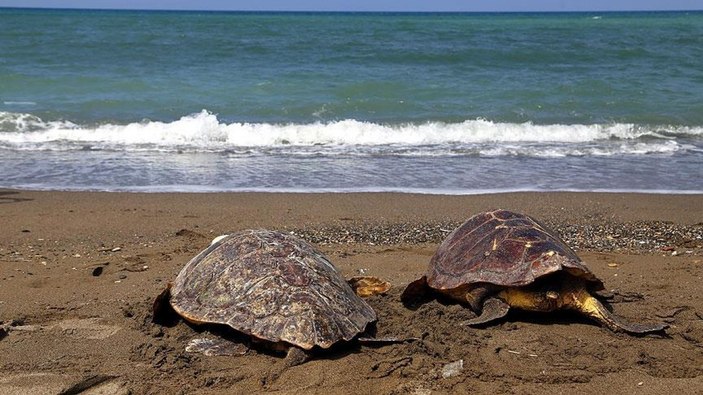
x: 79, y: 272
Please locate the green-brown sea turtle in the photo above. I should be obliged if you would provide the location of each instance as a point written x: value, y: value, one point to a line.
x: 501, y: 259
x: 275, y: 288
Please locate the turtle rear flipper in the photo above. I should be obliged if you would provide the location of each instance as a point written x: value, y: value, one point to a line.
x: 415, y: 293
x: 592, y: 307
x: 366, y: 286
x: 493, y: 309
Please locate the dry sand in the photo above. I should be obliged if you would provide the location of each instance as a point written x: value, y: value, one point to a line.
x: 79, y: 272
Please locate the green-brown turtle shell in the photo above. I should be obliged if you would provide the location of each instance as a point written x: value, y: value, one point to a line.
x: 272, y: 286
x: 503, y: 248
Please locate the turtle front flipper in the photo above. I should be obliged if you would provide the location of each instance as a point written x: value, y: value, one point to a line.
x: 216, y: 347
x: 294, y: 357
x: 589, y: 305
x: 493, y: 309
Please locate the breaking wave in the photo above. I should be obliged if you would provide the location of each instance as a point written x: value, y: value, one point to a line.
x: 204, y: 132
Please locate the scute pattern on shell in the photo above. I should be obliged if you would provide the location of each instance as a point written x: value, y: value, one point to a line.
x: 272, y: 286
x: 503, y: 248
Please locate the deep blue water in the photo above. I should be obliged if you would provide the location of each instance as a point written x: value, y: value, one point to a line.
x: 437, y: 103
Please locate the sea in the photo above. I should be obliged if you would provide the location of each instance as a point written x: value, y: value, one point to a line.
x: 436, y: 103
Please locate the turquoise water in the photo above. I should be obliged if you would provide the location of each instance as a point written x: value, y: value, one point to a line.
x: 438, y: 103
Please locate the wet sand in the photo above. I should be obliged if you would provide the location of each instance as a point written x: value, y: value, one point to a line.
x: 79, y: 272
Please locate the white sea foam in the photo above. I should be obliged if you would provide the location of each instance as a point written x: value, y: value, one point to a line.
x: 204, y: 132
x: 19, y: 103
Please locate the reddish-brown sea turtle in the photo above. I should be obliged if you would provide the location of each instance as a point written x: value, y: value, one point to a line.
x: 275, y: 288
x: 501, y: 259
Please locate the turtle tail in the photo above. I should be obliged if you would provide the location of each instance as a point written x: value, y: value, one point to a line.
x: 592, y: 307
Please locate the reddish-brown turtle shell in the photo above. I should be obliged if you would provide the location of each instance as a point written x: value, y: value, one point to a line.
x: 503, y: 248
x: 271, y: 286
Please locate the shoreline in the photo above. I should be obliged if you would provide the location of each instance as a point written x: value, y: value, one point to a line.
x: 338, y: 191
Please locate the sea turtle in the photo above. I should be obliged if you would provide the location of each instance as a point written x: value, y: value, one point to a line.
x: 275, y: 288
x: 502, y: 259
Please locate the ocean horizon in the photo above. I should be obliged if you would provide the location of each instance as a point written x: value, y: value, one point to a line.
x: 440, y: 103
